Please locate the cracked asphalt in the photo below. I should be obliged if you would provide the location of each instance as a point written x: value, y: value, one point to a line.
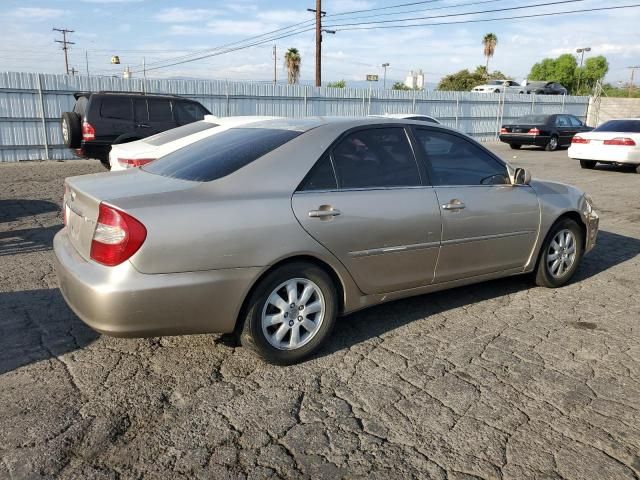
x: 497, y: 380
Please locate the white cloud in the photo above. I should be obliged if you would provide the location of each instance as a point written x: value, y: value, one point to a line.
x: 35, y: 13
x: 185, y: 15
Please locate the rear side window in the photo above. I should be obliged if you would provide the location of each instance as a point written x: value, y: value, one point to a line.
x: 187, y: 112
x: 140, y: 109
x: 176, y: 133
x: 321, y: 177
x: 116, y: 107
x: 456, y: 161
x: 159, y: 110
x: 221, y: 154
x: 376, y: 157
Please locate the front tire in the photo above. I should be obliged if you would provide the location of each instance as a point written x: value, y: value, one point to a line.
x: 637, y: 168
x: 553, y: 144
x: 588, y: 164
x: 560, y: 254
x: 290, y: 314
x: 514, y: 146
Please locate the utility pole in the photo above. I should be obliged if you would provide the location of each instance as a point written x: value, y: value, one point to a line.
x: 384, y: 83
x: 581, y: 51
x: 275, y: 59
x: 633, y: 71
x: 65, y: 45
x: 319, y: 13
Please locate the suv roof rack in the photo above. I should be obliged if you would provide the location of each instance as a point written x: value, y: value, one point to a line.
x: 121, y: 92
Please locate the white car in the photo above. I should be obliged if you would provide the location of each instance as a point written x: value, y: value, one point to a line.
x: 615, y: 141
x: 410, y: 116
x: 141, y: 152
x: 499, y: 86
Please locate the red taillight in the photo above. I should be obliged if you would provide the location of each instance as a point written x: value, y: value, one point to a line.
x: 622, y: 141
x: 534, y: 131
x: 117, y: 236
x: 579, y: 140
x: 504, y: 130
x: 134, y: 162
x: 88, y: 132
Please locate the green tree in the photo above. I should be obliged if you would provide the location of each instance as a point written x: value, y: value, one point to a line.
x: 489, y: 43
x: 400, y: 86
x: 465, y: 80
x: 338, y: 84
x: 292, y: 62
x: 565, y: 70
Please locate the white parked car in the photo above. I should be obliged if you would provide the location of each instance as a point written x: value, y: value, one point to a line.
x: 410, y: 116
x: 615, y: 141
x: 141, y: 152
x: 500, y: 86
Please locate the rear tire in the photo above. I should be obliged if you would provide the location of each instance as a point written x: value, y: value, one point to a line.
x: 637, y: 168
x: 71, y: 129
x: 588, y: 164
x: 514, y: 146
x: 290, y: 313
x: 553, y: 144
x: 560, y: 254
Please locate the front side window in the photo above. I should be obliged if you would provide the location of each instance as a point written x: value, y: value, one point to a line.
x: 456, y: 161
x: 574, y: 121
x: 561, y: 121
x: 220, y: 155
x: 187, y: 112
x: 116, y: 107
x: 377, y: 157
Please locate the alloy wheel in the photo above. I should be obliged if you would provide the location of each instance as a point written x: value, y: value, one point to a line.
x: 561, y: 254
x: 293, y: 314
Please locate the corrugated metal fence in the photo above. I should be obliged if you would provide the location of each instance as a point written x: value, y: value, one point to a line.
x: 31, y: 105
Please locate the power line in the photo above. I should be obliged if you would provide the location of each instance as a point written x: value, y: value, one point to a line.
x: 384, y: 8
x: 481, y: 20
x: 478, y: 12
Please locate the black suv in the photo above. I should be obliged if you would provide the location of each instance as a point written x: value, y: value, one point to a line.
x: 102, y: 119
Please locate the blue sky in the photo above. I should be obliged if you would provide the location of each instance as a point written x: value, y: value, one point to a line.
x: 163, y: 29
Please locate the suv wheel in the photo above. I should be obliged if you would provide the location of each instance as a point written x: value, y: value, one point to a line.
x: 290, y: 314
x: 71, y: 129
x: 560, y: 254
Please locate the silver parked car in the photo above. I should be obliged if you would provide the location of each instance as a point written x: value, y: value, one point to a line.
x: 272, y: 230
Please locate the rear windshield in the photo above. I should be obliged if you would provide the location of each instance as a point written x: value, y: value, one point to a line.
x: 221, y: 154
x: 176, y: 133
x: 533, y: 120
x: 632, y: 126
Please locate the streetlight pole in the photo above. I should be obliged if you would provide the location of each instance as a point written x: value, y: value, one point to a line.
x: 384, y: 84
x: 581, y: 51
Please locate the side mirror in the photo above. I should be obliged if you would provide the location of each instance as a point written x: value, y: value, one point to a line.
x: 521, y: 177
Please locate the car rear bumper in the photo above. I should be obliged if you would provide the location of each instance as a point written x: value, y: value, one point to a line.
x: 99, y: 151
x: 520, y: 139
x: 122, y: 302
x: 609, y: 153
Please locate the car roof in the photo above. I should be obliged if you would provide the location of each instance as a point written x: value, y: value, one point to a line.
x: 77, y: 95
x: 402, y: 115
x: 304, y: 124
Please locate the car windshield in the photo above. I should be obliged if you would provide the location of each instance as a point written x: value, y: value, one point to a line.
x: 533, y: 120
x: 495, y: 82
x: 632, y: 126
x: 176, y: 133
x: 220, y: 155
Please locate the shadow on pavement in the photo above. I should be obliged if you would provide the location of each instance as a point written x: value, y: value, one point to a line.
x: 11, y: 210
x: 37, y: 325
x: 27, y: 240
x: 611, y: 250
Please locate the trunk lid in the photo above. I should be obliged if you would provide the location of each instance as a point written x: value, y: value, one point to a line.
x: 83, y: 195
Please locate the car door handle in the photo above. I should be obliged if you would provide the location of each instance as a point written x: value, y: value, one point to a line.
x: 454, y: 204
x: 324, y: 212
x: 144, y: 125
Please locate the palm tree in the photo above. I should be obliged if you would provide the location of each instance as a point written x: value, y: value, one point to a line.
x: 489, y: 41
x: 292, y: 61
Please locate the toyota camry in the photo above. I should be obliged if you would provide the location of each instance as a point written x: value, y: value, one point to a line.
x: 270, y: 231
